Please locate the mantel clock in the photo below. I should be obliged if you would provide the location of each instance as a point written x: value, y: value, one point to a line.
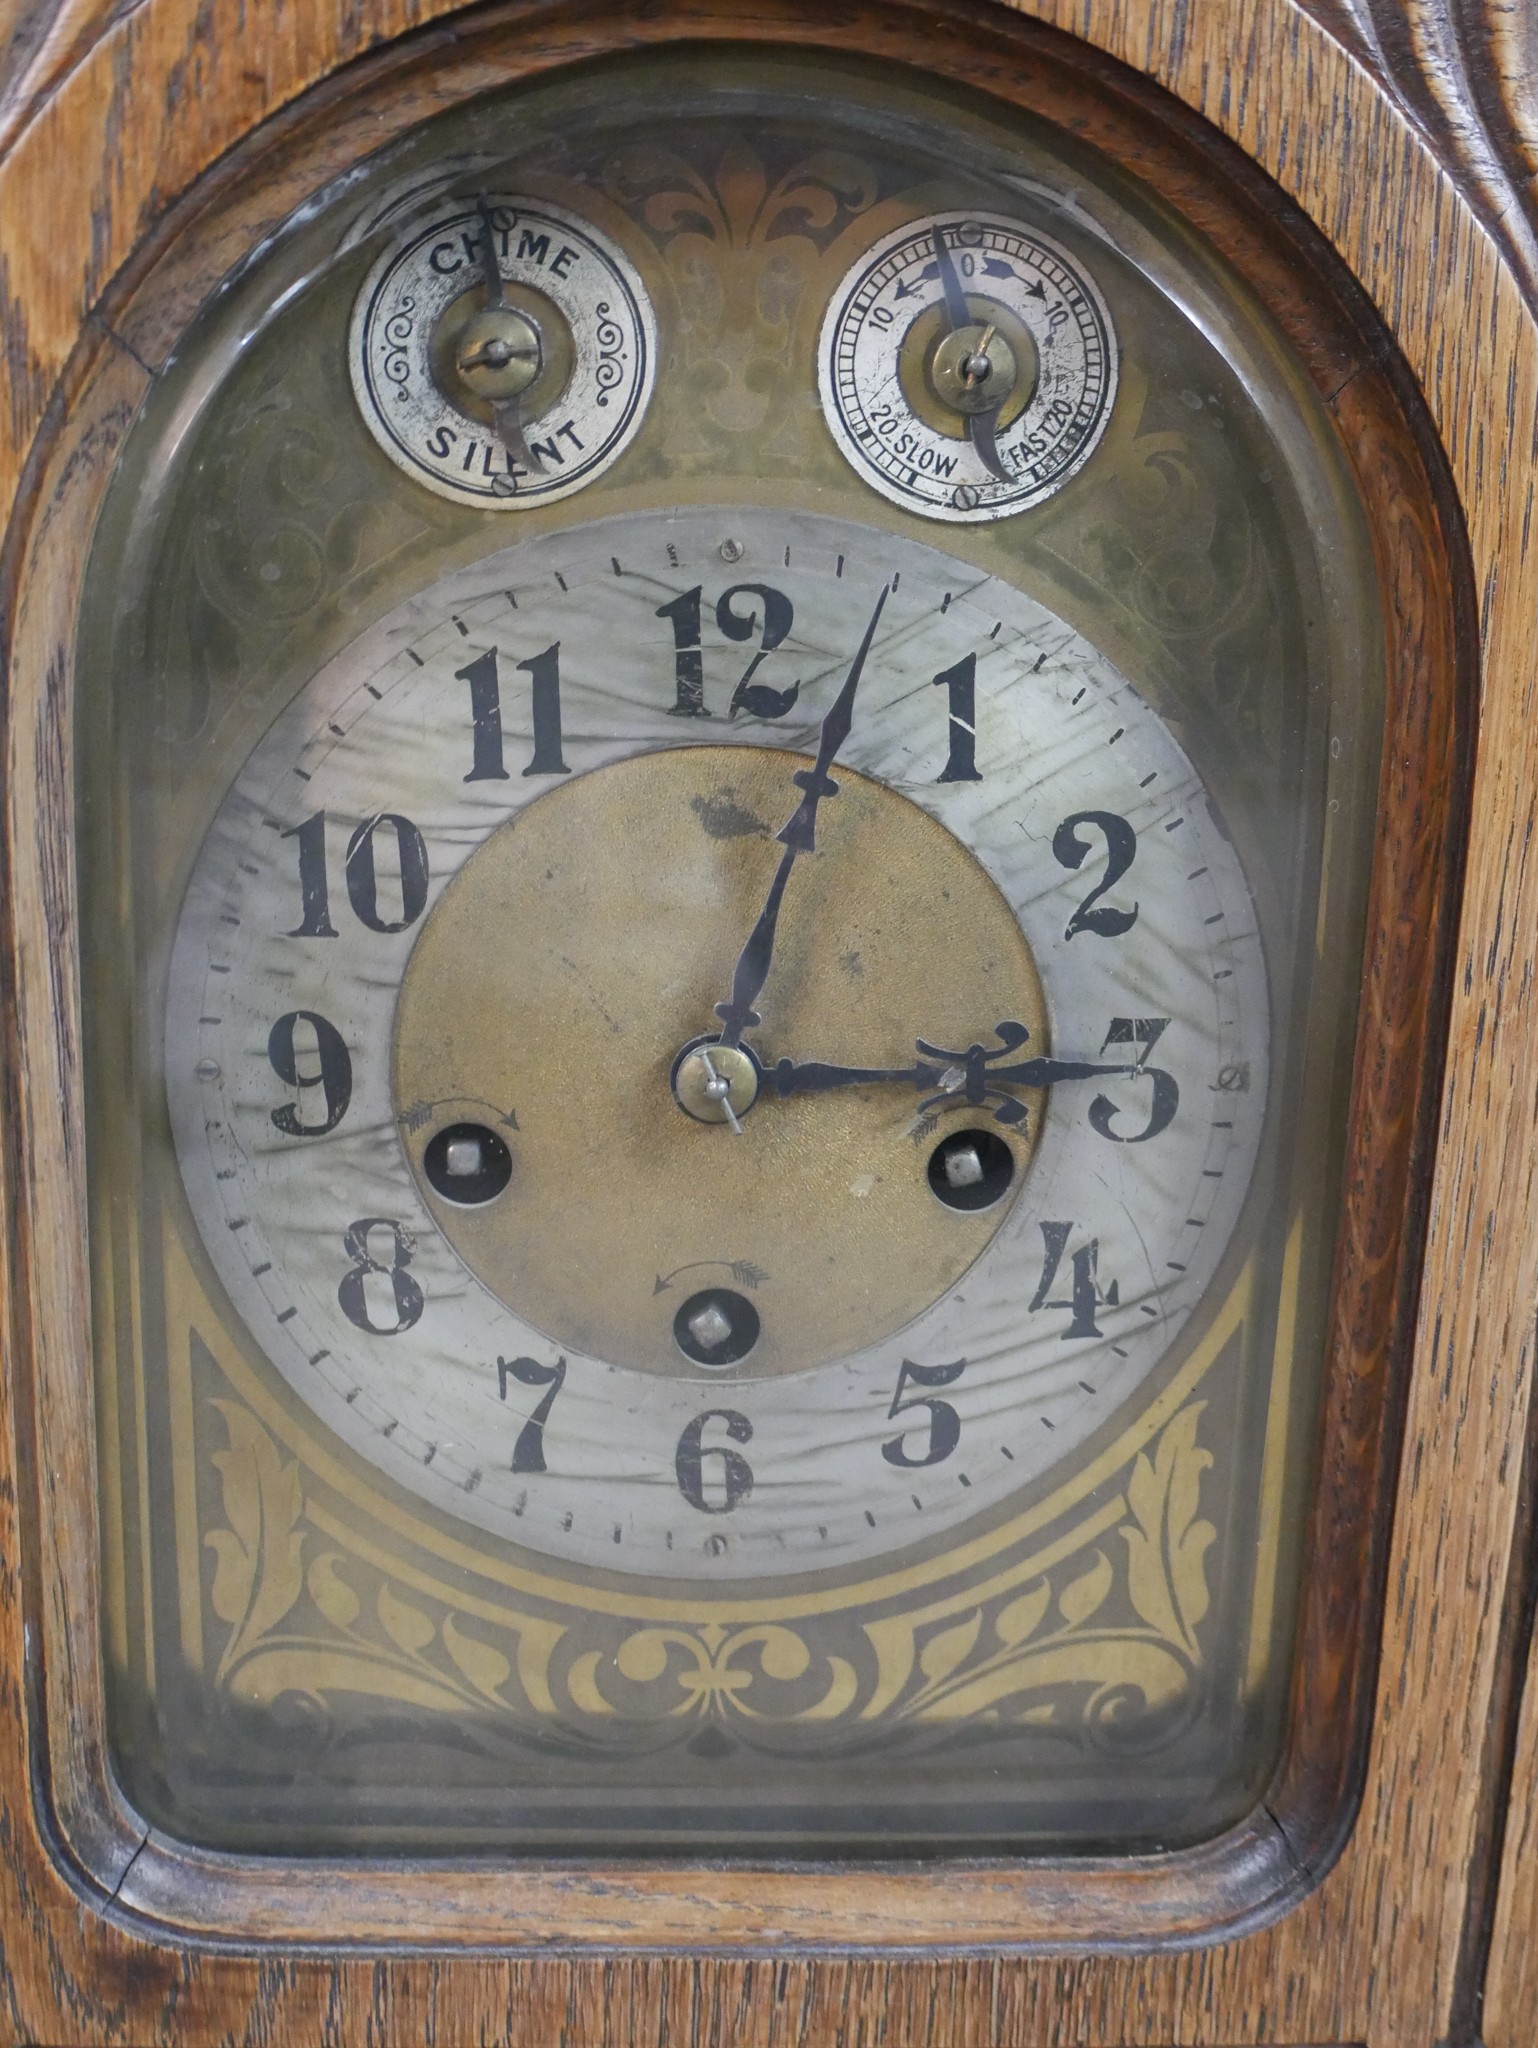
x: 760, y: 760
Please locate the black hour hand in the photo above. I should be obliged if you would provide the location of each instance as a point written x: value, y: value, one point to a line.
x: 975, y: 1074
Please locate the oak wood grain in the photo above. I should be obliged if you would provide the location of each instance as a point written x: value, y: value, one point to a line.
x: 1371, y: 1955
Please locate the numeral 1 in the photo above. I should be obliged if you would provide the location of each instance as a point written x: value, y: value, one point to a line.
x: 485, y: 717
x: 544, y: 673
x: 314, y: 894
x: 961, y: 682
x: 688, y: 662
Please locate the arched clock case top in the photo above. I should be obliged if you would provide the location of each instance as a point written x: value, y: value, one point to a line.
x: 1432, y: 1273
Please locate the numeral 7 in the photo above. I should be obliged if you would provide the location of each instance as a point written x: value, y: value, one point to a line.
x: 529, y: 1451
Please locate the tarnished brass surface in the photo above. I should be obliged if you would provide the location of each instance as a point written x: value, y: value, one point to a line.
x: 928, y: 365
x: 710, y: 1079
x: 469, y: 316
x: 498, y: 353
x: 974, y: 369
x: 586, y: 943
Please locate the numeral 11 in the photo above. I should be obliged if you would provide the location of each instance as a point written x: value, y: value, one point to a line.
x: 544, y: 673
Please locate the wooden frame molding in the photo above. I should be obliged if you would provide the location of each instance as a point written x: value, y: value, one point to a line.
x: 97, y: 285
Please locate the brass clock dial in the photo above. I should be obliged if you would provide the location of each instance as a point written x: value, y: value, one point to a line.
x: 481, y: 880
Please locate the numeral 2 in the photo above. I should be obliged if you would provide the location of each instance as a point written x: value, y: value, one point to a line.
x: 1120, y: 851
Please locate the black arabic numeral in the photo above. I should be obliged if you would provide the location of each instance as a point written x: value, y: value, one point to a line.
x: 688, y: 662
x: 944, y: 1422
x: 363, y: 879
x: 736, y: 1474
x: 544, y: 673
x: 1085, y: 1295
x: 332, y: 1074
x: 961, y: 682
x: 353, y: 1292
x: 485, y: 717
x: 529, y: 1451
x: 1143, y: 1033
x: 1120, y: 852
x: 314, y: 894
x: 757, y: 699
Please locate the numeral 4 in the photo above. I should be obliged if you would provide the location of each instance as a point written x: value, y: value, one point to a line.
x: 1085, y: 1293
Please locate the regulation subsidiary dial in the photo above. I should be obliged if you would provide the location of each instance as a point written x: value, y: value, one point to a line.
x: 967, y: 366
x: 504, y: 353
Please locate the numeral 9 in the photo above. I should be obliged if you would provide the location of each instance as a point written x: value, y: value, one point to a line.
x: 332, y: 1074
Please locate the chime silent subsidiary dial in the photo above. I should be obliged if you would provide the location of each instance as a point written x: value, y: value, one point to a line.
x: 504, y: 353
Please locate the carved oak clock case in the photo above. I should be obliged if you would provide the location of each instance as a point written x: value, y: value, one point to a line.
x: 766, y: 974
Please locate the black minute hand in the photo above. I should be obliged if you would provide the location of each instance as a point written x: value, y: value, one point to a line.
x: 737, y: 1014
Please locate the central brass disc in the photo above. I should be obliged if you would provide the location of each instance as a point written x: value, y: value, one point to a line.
x: 587, y: 942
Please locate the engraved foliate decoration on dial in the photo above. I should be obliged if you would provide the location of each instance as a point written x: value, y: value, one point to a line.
x: 967, y: 366
x: 504, y: 353
x: 670, y: 815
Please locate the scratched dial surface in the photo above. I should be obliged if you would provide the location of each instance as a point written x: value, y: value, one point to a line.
x: 446, y: 739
